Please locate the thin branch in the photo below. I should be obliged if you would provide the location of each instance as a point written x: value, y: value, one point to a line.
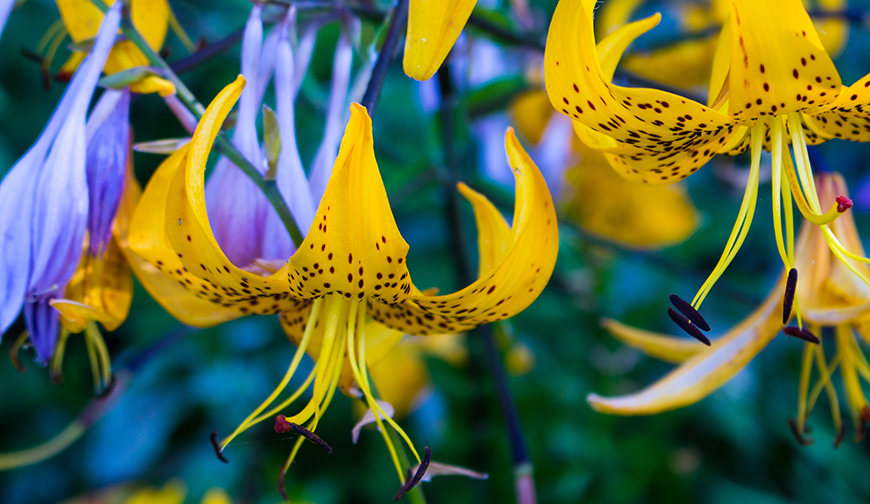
x: 524, y: 483
x: 399, y: 17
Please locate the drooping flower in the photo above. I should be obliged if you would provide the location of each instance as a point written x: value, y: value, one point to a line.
x: 687, y: 62
x: 433, y: 28
x: 150, y: 17
x: 345, y: 295
x: 772, y: 84
x: 44, y: 204
x: 830, y: 296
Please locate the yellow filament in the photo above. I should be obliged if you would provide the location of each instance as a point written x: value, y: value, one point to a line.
x: 104, y: 362
x: 53, y: 47
x: 744, y: 218
x: 180, y: 33
x: 825, y: 376
x: 365, y: 376
x: 50, y: 34
x: 334, y: 317
x: 297, y: 357
x: 821, y: 384
x: 806, y: 371
x: 293, y: 452
x: 789, y: 223
x: 855, y: 394
x: 95, y: 364
x: 57, y: 359
x: 16, y: 346
x: 776, y: 186
x: 860, y: 361
x: 287, y: 402
x: 363, y: 384
x: 838, y: 250
x: 803, y: 161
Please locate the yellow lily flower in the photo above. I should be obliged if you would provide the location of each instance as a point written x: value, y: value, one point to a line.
x: 773, y: 84
x: 433, y: 27
x: 830, y: 296
x: 345, y: 296
x: 151, y: 17
x: 688, y: 63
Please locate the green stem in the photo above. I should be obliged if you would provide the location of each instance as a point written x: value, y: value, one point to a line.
x: 224, y: 146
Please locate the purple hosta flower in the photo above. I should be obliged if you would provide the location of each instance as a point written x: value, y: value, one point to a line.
x: 245, y: 225
x: 108, y: 133
x: 44, y: 204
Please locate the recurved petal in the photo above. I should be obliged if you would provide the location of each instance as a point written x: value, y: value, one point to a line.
x: 661, y: 346
x: 493, y: 232
x: 353, y: 247
x: 778, y: 63
x: 150, y: 254
x: 705, y: 372
x: 189, y: 231
x: 510, y: 285
x: 75, y: 316
x: 668, y: 136
x: 433, y: 27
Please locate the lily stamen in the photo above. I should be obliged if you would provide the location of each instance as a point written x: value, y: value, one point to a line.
x: 744, y: 218
x: 788, y: 298
x: 688, y: 326
x: 797, y: 332
x: 690, y: 313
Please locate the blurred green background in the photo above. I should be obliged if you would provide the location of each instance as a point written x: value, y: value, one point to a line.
x: 733, y: 446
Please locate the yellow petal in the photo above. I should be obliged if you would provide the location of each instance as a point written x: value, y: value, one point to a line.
x: 706, y: 371
x: 635, y: 215
x: 777, y: 59
x: 661, y: 346
x: 116, y: 287
x: 670, y: 137
x: 153, y: 84
x: 353, y: 248
x: 75, y: 316
x: 721, y: 67
x: 152, y: 258
x: 433, y: 27
x: 614, y: 14
x: 493, y: 232
x: 82, y: 20
x: 507, y: 288
x: 213, y: 275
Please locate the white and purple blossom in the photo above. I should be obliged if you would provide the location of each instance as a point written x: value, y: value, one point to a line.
x: 246, y: 226
x: 45, y: 205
